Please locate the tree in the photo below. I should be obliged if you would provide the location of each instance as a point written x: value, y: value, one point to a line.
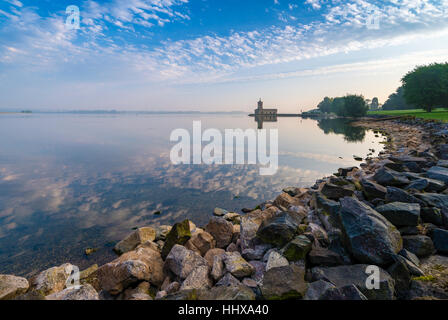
x: 325, y: 106
x: 355, y: 106
x: 338, y: 106
x: 374, y: 104
x: 396, y: 101
x: 427, y: 86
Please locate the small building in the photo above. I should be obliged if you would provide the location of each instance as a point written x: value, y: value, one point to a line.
x: 260, y: 111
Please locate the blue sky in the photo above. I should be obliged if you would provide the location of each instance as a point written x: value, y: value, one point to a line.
x: 211, y: 55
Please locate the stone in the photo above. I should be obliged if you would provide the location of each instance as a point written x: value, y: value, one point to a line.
x: 232, y: 247
x: 372, y: 238
x: 201, y: 242
x: 284, y: 283
x: 232, y: 293
x: 257, y: 253
x: 220, y: 212
x: 432, y: 215
x: 182, y: 261
x: 387, y: 177
x: 442, y: 163
x: 399, y: 195
x: 197, y: 279
x: 84, y: 292
x: 421, y: 246
x: 279, y: 230
x: 440, y: 239
x: 433, y: 284
x: 233, y: 217
x: 276, y: 260
x: 402, y: 276
x: 297, y: 249
x: 401, y: 214
x: 221, y: 230
x: 260, y: 268
x: 237, y: 266
x: 179, y: 234
x: 373, y: 190
x: 323, y: 290
x: 434, y: 199
x: 228, y: 280
x: 335, y: 192
x: 52, y: 280
x: 292, y: 191
x: 12, y: 286
x: 162, y: 232
x: 343, y: 172
x: 420, y: 185
x: 172, y: 287
x: 438, y: 173
x: 324, y: 257
x: 136, y: 238
x: 218, y: 268
x: 211, y: 254
x: 343, y: 276
x: 410, y: 256
x: 326, y: 206
x: 286, y: 201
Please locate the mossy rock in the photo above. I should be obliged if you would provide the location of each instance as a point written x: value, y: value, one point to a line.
x: 179, y: 234
x: 297, y: 249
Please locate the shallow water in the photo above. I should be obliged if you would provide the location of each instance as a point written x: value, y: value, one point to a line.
x: 72, y: 181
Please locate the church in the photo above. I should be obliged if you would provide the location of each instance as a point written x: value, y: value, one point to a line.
x: 260, y: 111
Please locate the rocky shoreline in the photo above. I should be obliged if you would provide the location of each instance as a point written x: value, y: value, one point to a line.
x: 315, y: 243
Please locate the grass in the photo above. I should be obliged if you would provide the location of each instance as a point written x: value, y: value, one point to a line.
x: 437, y: 114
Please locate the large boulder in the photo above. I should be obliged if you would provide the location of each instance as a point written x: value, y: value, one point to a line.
x: 52, y: 280
x: 387, y: 177
x: 440, y: 240
x: 136, y: 238
x: 284, y: 283
x: 179, y: 234
x: 221, y: 230
x: 335, y: 192
x: 371, y: 237
x: 421, y: 246
x: 373, y: 190
x: 237, y: 266
x: 344, y: 276
x: 182, y: 261
x: 434, y: 199
x: 438, y: 173
x: 297, y: 249
x: 84, y: 292
x: 279, y: 230
x: 401, y: 214
x: 12, y: 286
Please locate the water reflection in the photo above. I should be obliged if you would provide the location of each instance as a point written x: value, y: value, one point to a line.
x: 342, y: 126
x: 72, y: 182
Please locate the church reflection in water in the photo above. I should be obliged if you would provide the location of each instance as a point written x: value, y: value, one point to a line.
x: 260, y: 119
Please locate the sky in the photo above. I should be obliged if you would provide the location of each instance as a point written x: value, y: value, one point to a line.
x: 211, y: 55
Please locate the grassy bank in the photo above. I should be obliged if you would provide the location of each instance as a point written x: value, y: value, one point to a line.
x: 437, y: 114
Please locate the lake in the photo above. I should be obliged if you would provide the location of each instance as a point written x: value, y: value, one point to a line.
x: 73, y: 181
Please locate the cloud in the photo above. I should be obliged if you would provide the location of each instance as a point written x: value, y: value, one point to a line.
x: 314, y: 3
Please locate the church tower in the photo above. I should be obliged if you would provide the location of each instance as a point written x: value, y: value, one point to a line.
x: 260, y: 105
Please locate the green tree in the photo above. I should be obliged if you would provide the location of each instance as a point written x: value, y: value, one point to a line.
x: 325, y: 106
x: 396, y: 101
x: 338, y: 106
x: 427, y: 86
x: 355, y: 106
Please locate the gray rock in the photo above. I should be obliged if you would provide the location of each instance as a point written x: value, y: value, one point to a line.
x: 402, y: 276
x: 134, y: 239
x: 399, y: 195
x: 257, y: 253
x: 410, y: 256
x: 276, y: 260
x: 218, y: 268
x: 197, y: 279
x: 297, y: 249
x: 220, y: 212
x: 233, y: 293
x: 343, y: 276
x: 420, y: 185
x: 434, y: 199
x: 228, y: 281
x: 260, y: 268
x: 12, y: 286
x: 432, y: 215
x: 237, y: 266
x: 401, y: 214
x: 325, y: 205
x: 438, y: 173
x: 421, y: 246
x: 335, y: 192
x: 387, y: 177
x: 442, y: 163
x: 279, y: 230
x: 371, y: 237
x: 324, y: 257
x: 182, y: 261
x: 84, y: 292
x: 373, y: 190
x: 343, y: 172
x: 322, y: 290
x: 440, y: 240
x: 221, y: 230
x: 284, y: 283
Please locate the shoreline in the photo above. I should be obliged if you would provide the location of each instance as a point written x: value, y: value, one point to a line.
x: 290, y: 247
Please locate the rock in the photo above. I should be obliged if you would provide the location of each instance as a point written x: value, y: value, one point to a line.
x: 410, y: 256
x: 201, y: 242
x: 232, y: 247
x: 179, y: 234
x: 211, y: 254
x: 433, y: 284
x: 402, y: 276
x: 387, y: 177
x: 52, y: 280
x: 233, y: 217
x: 343, y: 172
x: 292, y: 191
x: 136, y: 238
x: 260, y: 268
x: 438, y: 173
x: 420, y: 185
x: 276, y: 260
x: 237, y: 266
x: 335, y: 192
x: 182, y: 261
x: 421, y: 246
x: 442, y: 163
x: 279, y: 230
x: 197, y: 279
x: 323, y: 290
x: 233, y: 293
x: 162, y: 232
x: 440, y: 240
x: 324, y: 257
x: 297, y: 249
x: 372, y: 238
x: 432, y: 215
x: 172, y: 287
x: 12, y: 286
x: 139, y: 293
x: 284, y: 283
x: 401, y: 214
x: 161, y: 295
x: 221, y: 230
x: 220, y: 212
x: 228, y: 281
x: 285, y: 200
x: 373, y: 190
x: 84, y: 292
x: 326, y: 206
x: 343, y: 276
x: 218, y: 268
x: 257, y: 253
x: 399, y: 195
x: 434, y: 199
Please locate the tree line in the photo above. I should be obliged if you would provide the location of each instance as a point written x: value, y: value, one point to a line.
x: 349, y: 106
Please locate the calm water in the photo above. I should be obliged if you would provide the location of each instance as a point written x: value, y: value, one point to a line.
x: 69, y: 182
